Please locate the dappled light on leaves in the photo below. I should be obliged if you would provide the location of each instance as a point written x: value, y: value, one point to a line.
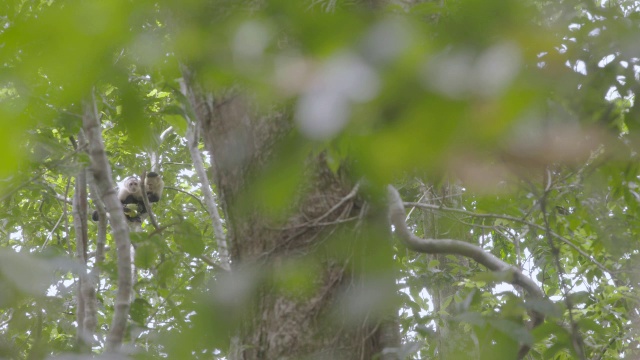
x: 148, y: 49
x: 553, y: 143
x: 371, y: 298
x: 480, y: 174
x: 250, y: 41
x: 508, y: 131
x: 386, y: 40
x: 462, y: 73
x: 233, y: 290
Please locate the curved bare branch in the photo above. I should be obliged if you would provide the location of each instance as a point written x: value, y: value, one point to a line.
x: 445, y: 246
x: 518, y: 220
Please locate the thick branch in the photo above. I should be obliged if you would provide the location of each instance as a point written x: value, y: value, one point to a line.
x: 457, y: 247
x: 101, y: 170
x: 442, y: 246
x: 518, y: 220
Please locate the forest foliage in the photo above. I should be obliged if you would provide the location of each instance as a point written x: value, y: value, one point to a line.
x: 514, y: 122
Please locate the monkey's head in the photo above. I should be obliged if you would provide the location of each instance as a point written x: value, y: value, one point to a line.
x: 132, y: 184
x: 154, y: 183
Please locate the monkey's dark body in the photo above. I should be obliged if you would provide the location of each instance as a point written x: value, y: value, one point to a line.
x: 130, y: 200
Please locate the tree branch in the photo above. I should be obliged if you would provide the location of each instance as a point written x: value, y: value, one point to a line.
x: 209, y: 199
x: 145, y: 200
x: 190, y: 194
x: 576, y: 337
x: 101, y: 170
x: 444, y: 246
x: 519, y: 220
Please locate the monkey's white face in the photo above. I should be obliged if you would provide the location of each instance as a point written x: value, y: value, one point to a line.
x: 133, y: 185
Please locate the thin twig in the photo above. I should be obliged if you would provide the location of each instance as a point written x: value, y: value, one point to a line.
x: 209, y: 199
x: 576, y: 337
x: 190, y: 194
x: 346, y: 198
x: 162, y: 228
x: 606, y: 347
x: 50, y: 236
x: 413, y: 207
x: 145, y: 200
x: 209, y: 261
x: 316, y: 221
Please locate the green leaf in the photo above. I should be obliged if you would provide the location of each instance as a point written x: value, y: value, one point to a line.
x: 494, y: 276
x: 472, y: 318
x: 580, y: 297
x: 166, y: 271
x: 544, y: 306
x: 198, y: 279
x: 140, y: 311
x: 550, y: 328
x: 189, y: 238
x: 146, y: 255
x: 514, y: 330
x: 178, y: 122
x: 26, y: 272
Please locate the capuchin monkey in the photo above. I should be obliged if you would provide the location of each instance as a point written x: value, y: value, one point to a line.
x: 130, y: 195
x: 153, y: 185
x: 130, y: 192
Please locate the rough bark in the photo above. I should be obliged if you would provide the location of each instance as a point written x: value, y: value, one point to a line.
x: 283, y: 325
x: 101, y: 171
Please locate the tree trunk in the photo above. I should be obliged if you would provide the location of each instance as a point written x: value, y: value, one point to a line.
x: 291, y: 323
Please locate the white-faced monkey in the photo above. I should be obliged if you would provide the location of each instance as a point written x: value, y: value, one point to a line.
x: 130, y: 195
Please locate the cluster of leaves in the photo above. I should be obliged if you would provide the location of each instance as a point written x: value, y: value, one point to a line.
x: 38, y: 310
x: 429, y: 88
